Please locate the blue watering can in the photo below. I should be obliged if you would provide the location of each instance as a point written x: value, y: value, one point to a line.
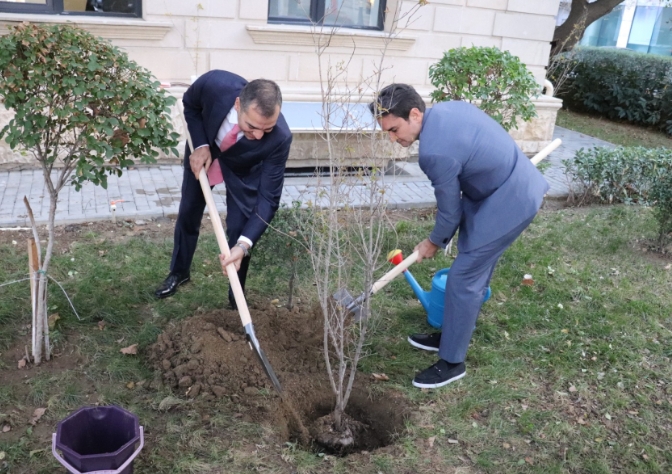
x: 432, y: 300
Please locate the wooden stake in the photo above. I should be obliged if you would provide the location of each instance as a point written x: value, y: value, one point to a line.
x: 33, y: 267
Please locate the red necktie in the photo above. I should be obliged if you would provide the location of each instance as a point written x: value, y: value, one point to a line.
x: 215, y: 171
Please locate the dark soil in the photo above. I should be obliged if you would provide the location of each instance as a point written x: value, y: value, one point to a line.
x: 207, y: 357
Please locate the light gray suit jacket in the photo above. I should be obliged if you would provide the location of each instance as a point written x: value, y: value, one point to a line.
x: 484, y: 184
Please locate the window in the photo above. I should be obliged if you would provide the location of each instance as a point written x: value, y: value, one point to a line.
x: 365, y: 14
x: 604, y: 32
x: 128, y: 8
x: 650, y: 31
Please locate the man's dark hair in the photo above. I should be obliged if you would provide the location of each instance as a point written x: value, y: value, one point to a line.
x: 263, y: 94
x: 398, y: 100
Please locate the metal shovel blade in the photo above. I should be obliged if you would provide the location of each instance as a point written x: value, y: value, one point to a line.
x: 352, y: 305
x: 254, y: 344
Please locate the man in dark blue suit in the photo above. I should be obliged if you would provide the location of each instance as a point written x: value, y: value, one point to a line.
x: 484, y: 185
x: 239, y: 124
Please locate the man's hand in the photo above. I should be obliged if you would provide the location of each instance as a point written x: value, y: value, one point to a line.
x: 198, y: 159
x: 426, y: 249
x: 236, y: 257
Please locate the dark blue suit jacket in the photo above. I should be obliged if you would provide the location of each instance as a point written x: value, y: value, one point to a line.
x: 253, y: 170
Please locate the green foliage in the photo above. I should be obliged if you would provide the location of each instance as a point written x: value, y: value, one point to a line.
x: 496, y: 79
x: 81, y: 102
x: 621, y: 85
x: 634, y: 174
x: 661, y: 195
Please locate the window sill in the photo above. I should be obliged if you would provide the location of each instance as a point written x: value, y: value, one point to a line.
x: 108, y: 28
x: 343, y: 37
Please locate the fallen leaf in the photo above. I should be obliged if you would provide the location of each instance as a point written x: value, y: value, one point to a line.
x: 607, y: 416
x: 565, y: 331
x: 382, y: 377
x: 130, y: 350
x: 527, y: 280
x: 52, y: 320
x: 645, y: 457
x: 275, y: 301
x: 101, y: 325
x: 22, y: 363
x: 430, y: 441
x: 572, y: 389
x: 453, y: 441
x: 506, y: 446
x: 37, y: 414
x: 668, y: 266
x: 130, y: 385
x: 529, y: 461
x: 506, y: 335
x: 2, y: 455
x: 6, y: 428
x: 581, y: 421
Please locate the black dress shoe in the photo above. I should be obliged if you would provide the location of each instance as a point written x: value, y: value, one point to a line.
x: 170, y: 284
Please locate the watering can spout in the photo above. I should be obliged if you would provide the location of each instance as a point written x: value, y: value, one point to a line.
x: 395, y: 257
x: 422, y: 295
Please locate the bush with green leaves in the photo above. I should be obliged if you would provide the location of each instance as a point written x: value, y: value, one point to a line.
x: 81, y: 103
x: 621, y: 85
x: 84, y: 111
x: 621, y: 174
x: 628, y: 175
x: 661, y: 196
x: 496, y: 80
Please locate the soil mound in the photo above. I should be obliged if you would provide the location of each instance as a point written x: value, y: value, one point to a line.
x: 207, y: 356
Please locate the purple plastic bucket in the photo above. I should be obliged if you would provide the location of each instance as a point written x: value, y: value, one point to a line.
x: 98, y: 440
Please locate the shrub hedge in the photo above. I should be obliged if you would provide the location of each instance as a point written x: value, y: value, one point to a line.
x: 629, y: 175
x: 620, y: 85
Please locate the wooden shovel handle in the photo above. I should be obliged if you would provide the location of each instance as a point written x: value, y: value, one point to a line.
x: 392, y: 274
x: 231, y: 272
x: 546, y: 151
x: 243, y: 310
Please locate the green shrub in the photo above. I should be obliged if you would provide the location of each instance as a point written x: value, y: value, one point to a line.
x: 661, y: 196
x: 620, y: 85
x: 629, y: 175
x: 497, y: 80
x: 80, y: 103
x: 618, y: 174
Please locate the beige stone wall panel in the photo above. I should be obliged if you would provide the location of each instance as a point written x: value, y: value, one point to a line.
x: 530, y: 27
x: 491, y: 4
x: 481, y: 41
x: 253, y: 10
x: 475, y: 21
x: 530, y: 52
x: 200, y: 8
x: 433, y: 47
x: 252, y: 64
x: 420, y: 19
x: 182, y: 65
x: 304, y: 67
x: 207, y: 34
x: 410, y: 71
x: 539, y: 7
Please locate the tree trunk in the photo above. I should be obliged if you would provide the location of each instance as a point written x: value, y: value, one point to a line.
x: 581, y: 15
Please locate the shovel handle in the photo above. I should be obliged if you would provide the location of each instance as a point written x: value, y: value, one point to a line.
x: 546, y: 151
x: 231, y: 272
x: 396, y: 271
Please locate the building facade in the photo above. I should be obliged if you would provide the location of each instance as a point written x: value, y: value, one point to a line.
x: 178, y: 40
x: 638, y: 25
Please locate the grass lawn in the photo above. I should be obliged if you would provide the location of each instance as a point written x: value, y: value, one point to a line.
x: 569, y: 375
x: 618, y: 133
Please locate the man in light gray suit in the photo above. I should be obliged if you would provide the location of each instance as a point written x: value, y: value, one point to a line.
x: 484, y: 185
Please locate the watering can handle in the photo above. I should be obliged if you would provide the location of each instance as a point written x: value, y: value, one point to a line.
x: 107, y: 471
x: 392, y: 274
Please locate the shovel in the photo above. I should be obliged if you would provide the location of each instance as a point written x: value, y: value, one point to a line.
x: 231, y: 272
x: 354, y: 305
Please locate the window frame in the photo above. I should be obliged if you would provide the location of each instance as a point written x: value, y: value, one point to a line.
x: 317, y: 8
x: 55, y: 7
